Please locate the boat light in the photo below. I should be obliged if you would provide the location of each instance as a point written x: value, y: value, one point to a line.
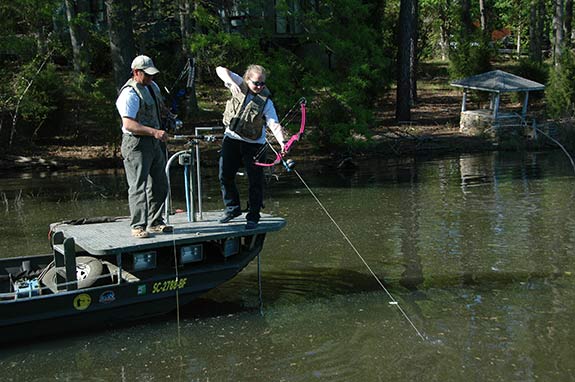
x: 231, y: 247
x: 191, y: 254
x: 144, y: 260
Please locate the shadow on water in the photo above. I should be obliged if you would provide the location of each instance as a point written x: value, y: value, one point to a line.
x: 303, y: 287
x: 476, y: 249
x: 309, y: 284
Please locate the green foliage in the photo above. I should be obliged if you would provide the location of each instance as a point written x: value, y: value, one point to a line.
x: 437, y: 19
x: 560, y: 91
x: 285, y: 78
x: 51, y: 102
x: 341, y: 65
x: 359, y: 72
x: 533, y: 71
x: 92, y: 103
x: 220, y: 48
x: 468, y: 58
x: 24, y: 28
x: 37, y: 96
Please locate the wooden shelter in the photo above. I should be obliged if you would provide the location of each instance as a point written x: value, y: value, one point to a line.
x: 496, y: 82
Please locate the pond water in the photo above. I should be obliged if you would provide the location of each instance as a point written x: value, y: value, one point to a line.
x: 477, y: 251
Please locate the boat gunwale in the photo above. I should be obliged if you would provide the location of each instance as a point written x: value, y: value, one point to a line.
x: 112, y: 238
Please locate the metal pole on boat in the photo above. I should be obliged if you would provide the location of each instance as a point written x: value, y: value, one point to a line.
x: 199, y: 178
x: 197, y: 131
x: 191, y: 182
x: 260, y: 292
x: 167, y: 204
x: 187, y: 187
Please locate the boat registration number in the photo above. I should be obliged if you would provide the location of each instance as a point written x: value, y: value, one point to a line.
x: 169, y: 285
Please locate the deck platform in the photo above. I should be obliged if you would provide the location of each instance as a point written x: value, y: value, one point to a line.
x: 115, y: 237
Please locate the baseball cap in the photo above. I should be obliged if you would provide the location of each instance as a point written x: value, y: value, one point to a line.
x: 146, y: 64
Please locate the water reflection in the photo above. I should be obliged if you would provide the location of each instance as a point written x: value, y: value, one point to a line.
x: 478, y: 249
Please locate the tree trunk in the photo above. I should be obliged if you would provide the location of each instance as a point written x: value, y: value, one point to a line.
x: 121, y: 38
x: 191, y: 100
x: 406, y: 59
x: 534, y: 40
x: 414, y: 57
x: 558, y: 17
x: 568, y: 25
x: 536, y: 30
x: 466, y: 21
x: 185, y: 25
x: 444, y: 29
x: 483, y: 16
x: 77, y: 35
x: 518, y: 44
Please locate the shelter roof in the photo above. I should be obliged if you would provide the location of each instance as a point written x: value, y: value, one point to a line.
x: 498, y: 81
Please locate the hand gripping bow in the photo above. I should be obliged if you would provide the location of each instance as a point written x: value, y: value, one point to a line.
x: 281, y: 154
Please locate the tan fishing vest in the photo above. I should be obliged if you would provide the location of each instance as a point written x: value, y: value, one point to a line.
x: 246, y: 121
x: 149, y: 113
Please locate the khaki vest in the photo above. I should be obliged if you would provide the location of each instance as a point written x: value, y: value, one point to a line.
x: 149, y: 113
x: 248, y: 121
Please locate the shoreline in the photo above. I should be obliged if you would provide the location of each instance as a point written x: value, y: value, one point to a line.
x: 76, y: 158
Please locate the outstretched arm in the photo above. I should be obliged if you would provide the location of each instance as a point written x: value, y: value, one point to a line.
x: 226, y: 75
x: 273, y: 124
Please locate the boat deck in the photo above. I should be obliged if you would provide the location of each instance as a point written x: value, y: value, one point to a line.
x: 115, y: 237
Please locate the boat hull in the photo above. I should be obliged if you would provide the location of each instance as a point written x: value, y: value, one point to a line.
x: 121, y: 296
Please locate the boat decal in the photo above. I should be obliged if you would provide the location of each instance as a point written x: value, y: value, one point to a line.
x: 142, y: 290
x: 82, y: 301
x: 107, y: 297
x: 169, y: 285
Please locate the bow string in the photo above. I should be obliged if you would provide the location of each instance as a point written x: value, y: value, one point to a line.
x: 280, y: 154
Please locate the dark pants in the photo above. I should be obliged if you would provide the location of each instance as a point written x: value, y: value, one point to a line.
x: 235, y: 153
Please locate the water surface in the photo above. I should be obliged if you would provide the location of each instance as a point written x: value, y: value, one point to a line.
x: 476, y: 249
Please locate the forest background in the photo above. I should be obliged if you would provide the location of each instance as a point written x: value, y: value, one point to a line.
x: 63, y: 61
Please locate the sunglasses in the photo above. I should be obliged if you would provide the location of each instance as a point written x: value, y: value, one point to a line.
x: 258, y: 83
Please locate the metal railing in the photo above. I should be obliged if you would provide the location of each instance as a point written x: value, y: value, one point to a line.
x: 190, y: 159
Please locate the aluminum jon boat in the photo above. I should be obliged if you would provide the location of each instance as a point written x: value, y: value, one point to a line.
x: 98, y: 274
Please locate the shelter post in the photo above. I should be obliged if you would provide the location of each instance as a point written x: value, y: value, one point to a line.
x: 524, y: 109
x: 496, y: 106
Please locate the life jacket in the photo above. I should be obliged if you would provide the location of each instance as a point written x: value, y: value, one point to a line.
x: 246, y: 120
x: 149, y: 112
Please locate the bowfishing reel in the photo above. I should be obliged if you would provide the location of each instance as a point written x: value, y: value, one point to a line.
x: 172, y: 123
x: 289, y: 164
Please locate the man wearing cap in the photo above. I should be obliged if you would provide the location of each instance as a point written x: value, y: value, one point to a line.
x: 141, y: 106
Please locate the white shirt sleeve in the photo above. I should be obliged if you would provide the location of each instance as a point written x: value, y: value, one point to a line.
x: 272, y: 121
x: 128, y: 103
x: 237, y: 78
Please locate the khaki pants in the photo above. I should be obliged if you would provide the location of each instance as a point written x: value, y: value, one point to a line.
x: 145, y: 163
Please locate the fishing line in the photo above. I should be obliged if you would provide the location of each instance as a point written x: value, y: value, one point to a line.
x: 558, y: 144
x: 176, y: 264
x: 393, y: 300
